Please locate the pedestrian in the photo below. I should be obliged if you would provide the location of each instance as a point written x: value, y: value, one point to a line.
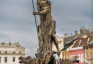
x: 55, y: 56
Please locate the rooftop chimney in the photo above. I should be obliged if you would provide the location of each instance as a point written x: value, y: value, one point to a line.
x: 76, y: 32
x: 66, y: 35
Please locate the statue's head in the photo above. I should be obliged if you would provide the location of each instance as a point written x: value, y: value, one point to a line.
x: 44, y: 2
x: 41, y: 3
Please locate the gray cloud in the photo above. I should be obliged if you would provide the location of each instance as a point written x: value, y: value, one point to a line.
x: 72, y: 14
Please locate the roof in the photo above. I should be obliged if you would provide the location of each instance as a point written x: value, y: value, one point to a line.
x: 10, y: 45
x: 69, y: 44
x: 77, y: 48
x: 88, y: 45
x: 69, y: 39
x: 83, y: 41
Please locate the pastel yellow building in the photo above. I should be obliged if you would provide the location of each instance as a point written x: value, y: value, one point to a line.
x: 66, y: 49
x: 65, y: 55
x: 89, y: 52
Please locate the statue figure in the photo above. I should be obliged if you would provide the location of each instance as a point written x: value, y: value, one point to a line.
x: 46, y: 28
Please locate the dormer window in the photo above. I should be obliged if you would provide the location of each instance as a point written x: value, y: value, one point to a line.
x: 0, y: 59
x: 13, y: 52
x: 19, y: 52
x: 5, y: 59
x: 6, y: 52
x: 2, y: 44
x: 13, y: 59
x: 9, y: 44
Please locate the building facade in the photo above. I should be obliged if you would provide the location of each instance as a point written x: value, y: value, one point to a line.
x: 65, y: 55
x: 78, y: 48
x: 60, y: 45
x: 89, y: 53
x: 79, y: 51
x: 10, y: 53
x: 83, y: 32
x: 66, y: 49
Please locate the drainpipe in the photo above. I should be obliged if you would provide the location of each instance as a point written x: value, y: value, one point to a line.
x: 84, y: 55
x: 79, y: 43
x: 88, y: 40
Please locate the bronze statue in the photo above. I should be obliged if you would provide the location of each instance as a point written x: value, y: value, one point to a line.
x: 46, y: 28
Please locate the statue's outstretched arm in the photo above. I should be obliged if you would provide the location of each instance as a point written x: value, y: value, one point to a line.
x: 35, y: 13
x: 46, y: 9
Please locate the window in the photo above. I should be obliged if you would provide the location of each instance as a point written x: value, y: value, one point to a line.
x: 13, y: 59
x: 86, y: 47
x: 68, y: 55
x: 6, y: 52
x: 19, y: 52
x: 87, y: 56
x: 9, y: 44
x: 91, y: 62
x: 60, y: 42
x: 0, y: 59
x: 78, y: 56
x: 48, y: 48
x: 91, y: 47
x: 90, y: 55
x: 5, y: 59
x: 63, y: 56
x: 13, y: 52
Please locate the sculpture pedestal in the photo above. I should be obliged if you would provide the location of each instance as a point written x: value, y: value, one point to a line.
x: 43, y: 57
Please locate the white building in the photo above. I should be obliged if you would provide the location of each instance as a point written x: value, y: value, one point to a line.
x: 10, y: 53
x: 60, y: 45
x: 90, y: 28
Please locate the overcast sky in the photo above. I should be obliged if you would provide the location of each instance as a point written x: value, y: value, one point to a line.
x: 17, y: 22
